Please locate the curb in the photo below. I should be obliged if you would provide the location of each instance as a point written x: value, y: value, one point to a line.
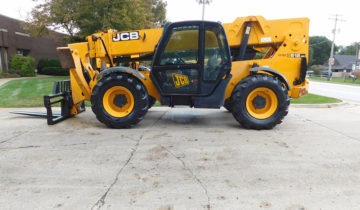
x: 332, y: 105
x: 336, y: 83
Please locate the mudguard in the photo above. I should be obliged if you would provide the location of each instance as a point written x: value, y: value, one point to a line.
x: 281, y: 77
x: 120, y: 69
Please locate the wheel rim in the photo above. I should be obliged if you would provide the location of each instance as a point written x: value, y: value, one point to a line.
x: 261, y: 103
x: 118, y: 101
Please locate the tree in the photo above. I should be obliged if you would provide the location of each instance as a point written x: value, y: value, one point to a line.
x: 319, y: 51
x: 80, y: 18
x: 348, y: 50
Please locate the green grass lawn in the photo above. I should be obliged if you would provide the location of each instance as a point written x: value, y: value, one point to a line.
x: 314, y: 99
x: 157, y: 103
x: 336, y: 80
x: 27, y: 92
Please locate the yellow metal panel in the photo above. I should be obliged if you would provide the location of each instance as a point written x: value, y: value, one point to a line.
x: 83, y: 55
x: 148, y: 38
x: 267, y: 31
x: 290, y: 68
x: 152, y: 91
x: 80, y: 81
x: 300, y: 90
x: 75, y: 88
x: 239, y: 70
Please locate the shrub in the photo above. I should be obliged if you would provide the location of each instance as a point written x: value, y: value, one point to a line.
x: 43, y: 63
x: 16, y: 61
x: 58, y: 71
x: 28, y: 67
x: 8, y: 75
x: 317, y: 69
x: 23, y: 65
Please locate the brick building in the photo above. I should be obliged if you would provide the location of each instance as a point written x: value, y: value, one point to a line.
x: 14, y: 40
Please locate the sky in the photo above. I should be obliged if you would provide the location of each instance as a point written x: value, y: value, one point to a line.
x: 226, y: 11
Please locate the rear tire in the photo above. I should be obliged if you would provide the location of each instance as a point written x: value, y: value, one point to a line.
x: 119, y: 101
x: 228, y: 104
x: 260, y: 102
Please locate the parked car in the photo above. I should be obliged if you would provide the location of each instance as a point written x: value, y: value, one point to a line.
x: 355, y: 75
x: 326, y: 73
x: 144, y: 68
x: 309, y: 73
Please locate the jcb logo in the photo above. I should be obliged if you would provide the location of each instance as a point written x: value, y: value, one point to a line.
x: 180, y: 80
x: 126, y: 36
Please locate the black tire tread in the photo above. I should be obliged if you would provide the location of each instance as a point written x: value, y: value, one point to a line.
x: 152, y: 101
x: 242, y: 90
x: 140, y: 96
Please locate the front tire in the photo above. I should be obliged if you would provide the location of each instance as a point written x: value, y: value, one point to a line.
x: 260, y: 102
x: 151, y: 101
x: 119, y: 101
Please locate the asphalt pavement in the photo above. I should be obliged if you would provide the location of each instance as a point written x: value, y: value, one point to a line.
x: 341, y: 91
x: 182, y: 159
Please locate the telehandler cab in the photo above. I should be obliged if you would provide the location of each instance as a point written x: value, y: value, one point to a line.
x: 251, y: 67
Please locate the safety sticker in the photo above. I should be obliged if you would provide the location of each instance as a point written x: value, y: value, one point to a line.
x: 266, y: 39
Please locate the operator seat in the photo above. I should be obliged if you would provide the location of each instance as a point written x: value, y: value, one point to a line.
x: 211, y: 69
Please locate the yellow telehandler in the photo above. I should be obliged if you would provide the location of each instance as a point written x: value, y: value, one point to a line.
x: 252, y: 67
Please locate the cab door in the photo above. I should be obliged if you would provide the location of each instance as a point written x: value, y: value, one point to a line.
x: 177, y: 62
x: 217, y: 60
x: 191, y: 59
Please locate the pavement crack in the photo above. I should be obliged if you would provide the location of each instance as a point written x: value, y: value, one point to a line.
x: 101, y: 202
x: 71, y: 145
x: 14, y: 137
x: 195, y: 178
x: 24, y: 147
x: 332, y: 129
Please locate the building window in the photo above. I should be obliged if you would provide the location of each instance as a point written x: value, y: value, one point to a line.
x: 22, y: 52
x: 22, y: 34
x: 4, y: 63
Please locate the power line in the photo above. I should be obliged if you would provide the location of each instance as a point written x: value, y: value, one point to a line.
x: 318, y: 43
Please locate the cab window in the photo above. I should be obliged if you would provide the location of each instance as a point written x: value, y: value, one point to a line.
x: 182, y: 46
x: 215, y: 52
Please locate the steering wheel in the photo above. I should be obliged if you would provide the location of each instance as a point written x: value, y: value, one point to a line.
x: 178, y: 59
x: 173, y: 59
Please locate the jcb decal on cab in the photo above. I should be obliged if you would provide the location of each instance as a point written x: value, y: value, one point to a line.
x: 180, y: 80
x: 126, y: 36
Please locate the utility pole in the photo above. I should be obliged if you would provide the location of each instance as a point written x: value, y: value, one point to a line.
x: 357, y: 57
x: 203, y: 2
x: 331, y: 59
